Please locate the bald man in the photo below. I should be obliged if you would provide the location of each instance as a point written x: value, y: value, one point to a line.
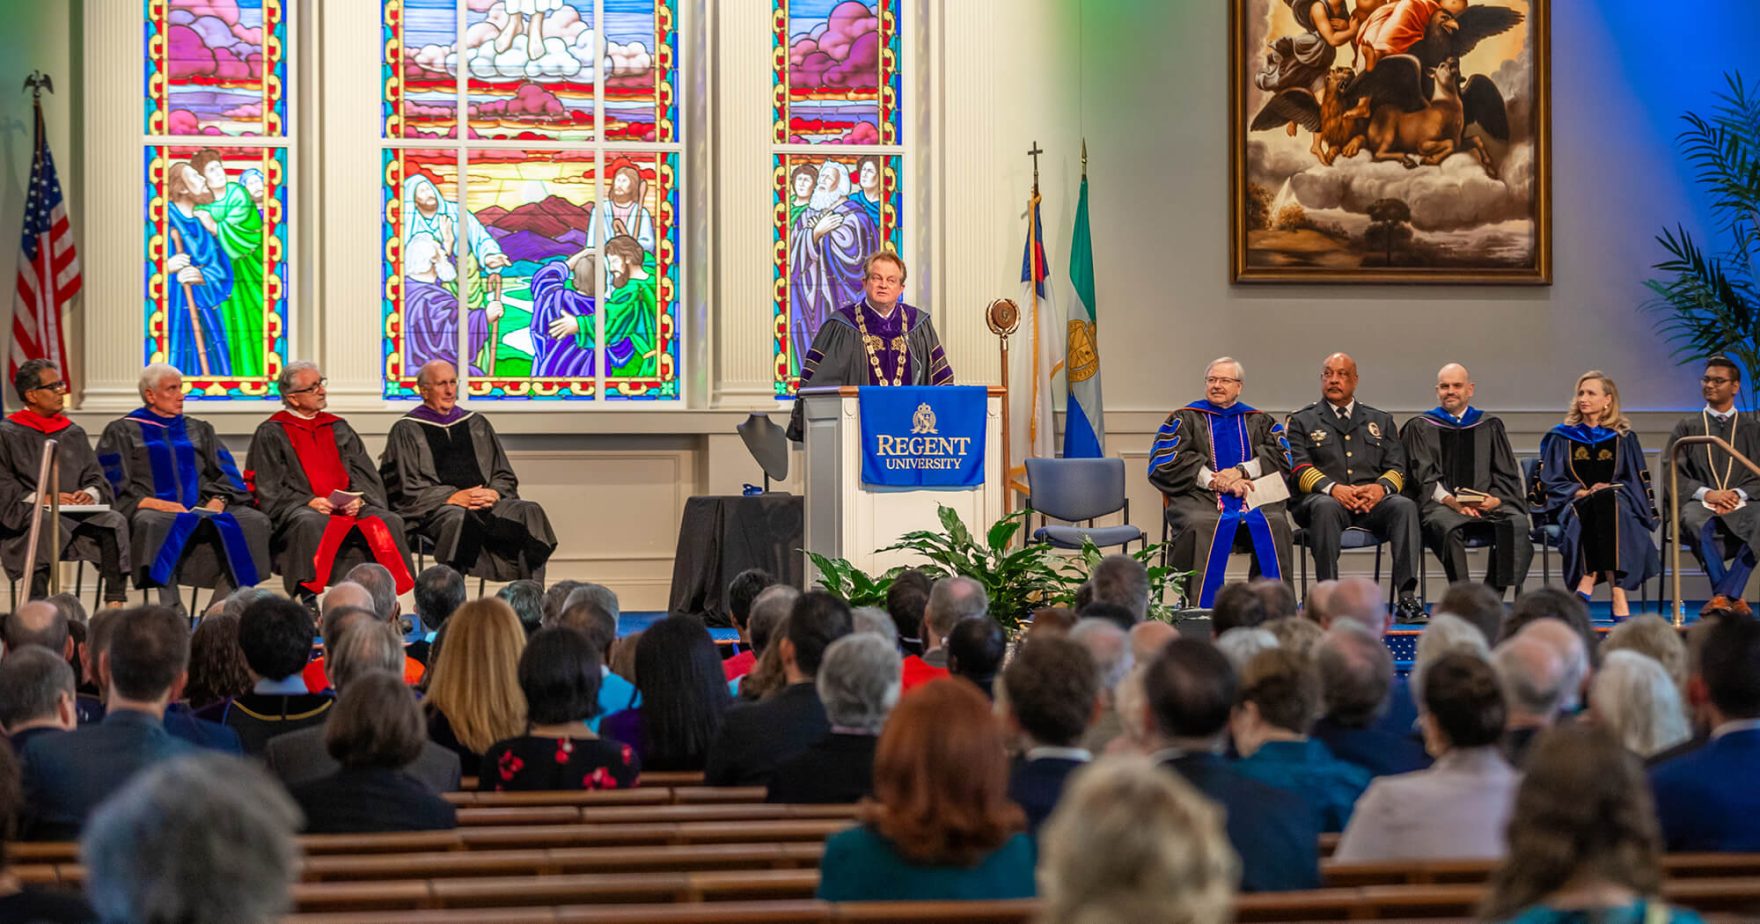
x: 1535, y: 680
x: 1349, y: 470
x: 1466, y: 480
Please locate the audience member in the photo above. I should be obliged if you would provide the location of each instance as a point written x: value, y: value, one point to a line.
x: 975, y: 649
x: 36, y: 696
x: 1109, y: 612
x: 439, y: 592
x: 1356, y: 678
x: 67, y: 775
x: 1458, y: 807
x: 377, y: 579
x: 526, y: 596
x: 1361, y: 601
x: 90, y: 703
x: 1476, y: 603
x: 940, y: 826
x: 1243, y: 643
x: 1279, y: 697
x: 587, y: 612
x: 1110, y: 648
x: 22, y: 902
x: 1237, y: 606
x: 1052, y: 692
x: 1297, y: 635
x: 474, y: 699
x: 1699, y: 799
x: 559, y: 675
x: 1533, y: 676
x: 758, y: 737
x: 1316, y: 604
x: 742, y: 592
x: 1189, y: 692
x: 1634, y: 699
x: 1578, y: 660
x: 40, y: 623
x: 623, y: 657
x: 1276, y: 597
x: 555, y: 596
x: 70, y: 606
x: 375, y: 732
x: 859, y: 685
x: 1446, y: 634
x: 1148, y: 637
x: 1133, y: 844
x: 275, y: 635
x: 768, y: 619
x: 360, y: 646
x: 906, y: 599
x: 684, y: 697
x: 379, y: 602
x: 603, y: 597
x: 1650, y: 635
x: 1551, y: 603
x: 950, y: 600
x: 1698, y: 698
x: 1583, y: 843
x: 1122, y: 581
x: 154, y: 854
x: 218, y: 671
x: 874, y: 621
x: 1050, y: 620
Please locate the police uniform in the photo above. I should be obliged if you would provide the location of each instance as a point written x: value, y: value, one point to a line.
x: 1329, y: 447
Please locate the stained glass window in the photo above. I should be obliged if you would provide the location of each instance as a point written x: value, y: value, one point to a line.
x: 837, y: 171
x: 542, y: 247
x: 215, y: 169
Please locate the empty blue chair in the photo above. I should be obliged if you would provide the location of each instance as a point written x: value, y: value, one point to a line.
x: 1080, y: 490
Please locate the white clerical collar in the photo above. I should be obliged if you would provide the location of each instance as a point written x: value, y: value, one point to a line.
x: 1721, y: 415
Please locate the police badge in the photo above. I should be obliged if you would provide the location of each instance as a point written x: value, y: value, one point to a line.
x: 1374, y: 429
x: 1318, y: 436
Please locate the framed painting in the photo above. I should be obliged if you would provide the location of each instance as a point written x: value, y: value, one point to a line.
x: 1390, y: 141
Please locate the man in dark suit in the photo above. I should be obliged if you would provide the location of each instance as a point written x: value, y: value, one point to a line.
x: 36, y: 695
x: 756, y: 738
x: 356, y: 646
x: 1703, y: 798
x: 1189, y: 691
x: 67, y: 775
x: 1356, y: 679
x: 1053, y: 689
x: 275, y: 635
x: 859, y: 684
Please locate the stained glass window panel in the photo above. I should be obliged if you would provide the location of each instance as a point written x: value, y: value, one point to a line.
x: 419, y: 93
x: 216, y: 67
x: 638, y: 221
x: 831, y: 212
x: 641, y: 50
x: 531, y: 67
x: 538, y: 316
x: 216, y: 266
x: 837, y: 78
x: 423, y: 281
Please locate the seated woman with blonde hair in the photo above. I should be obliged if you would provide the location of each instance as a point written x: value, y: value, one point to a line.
x: 1634, y: 699
x: 940, y: 826
x: 1131, y: 842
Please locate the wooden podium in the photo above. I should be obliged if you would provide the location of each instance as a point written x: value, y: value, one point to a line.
x: 851, y: 520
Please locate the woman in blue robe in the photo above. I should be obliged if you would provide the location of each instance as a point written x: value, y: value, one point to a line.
x: 1597, y: 488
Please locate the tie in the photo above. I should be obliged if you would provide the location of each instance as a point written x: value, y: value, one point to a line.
x: 1344, y: 416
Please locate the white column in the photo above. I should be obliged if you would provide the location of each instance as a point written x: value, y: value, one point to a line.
x: 114, y: 323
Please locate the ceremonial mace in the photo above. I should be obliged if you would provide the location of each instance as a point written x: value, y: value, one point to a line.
x: 1003, y: 316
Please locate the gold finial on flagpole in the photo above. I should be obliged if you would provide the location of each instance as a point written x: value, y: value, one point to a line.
x: 1084, y: 158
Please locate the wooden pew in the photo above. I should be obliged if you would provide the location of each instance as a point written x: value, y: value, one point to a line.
x: 641, y: 795
x: 1421, y: 872
x: 589, y: 888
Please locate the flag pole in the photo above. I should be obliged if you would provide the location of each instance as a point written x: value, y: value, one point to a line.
x: 1033, y: 295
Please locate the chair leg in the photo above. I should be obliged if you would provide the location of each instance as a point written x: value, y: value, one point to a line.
x: 480, y: 582
x: 1391, y: 590
x: 79, y: 577
x: 1303, y: 555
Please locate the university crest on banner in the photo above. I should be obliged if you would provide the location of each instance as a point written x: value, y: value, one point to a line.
x: 922, y: 436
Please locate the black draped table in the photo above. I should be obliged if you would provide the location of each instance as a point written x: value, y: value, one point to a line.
x: 720, y: 536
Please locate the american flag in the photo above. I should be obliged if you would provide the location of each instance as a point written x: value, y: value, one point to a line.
x: 48, y: 267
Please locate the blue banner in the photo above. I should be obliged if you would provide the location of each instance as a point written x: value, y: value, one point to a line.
x: 923, y: 436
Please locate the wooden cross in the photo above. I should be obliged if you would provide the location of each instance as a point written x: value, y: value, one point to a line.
x: 1034, y: 154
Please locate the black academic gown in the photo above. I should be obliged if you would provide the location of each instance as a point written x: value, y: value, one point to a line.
x: 283, y: 491
x: 839, y: 357
x: 1184, y: 446
x: 507, y: 542
x: 1473, y: 452
x: 1710, y: 469
x: 94, y: 537
x: 180, y: 459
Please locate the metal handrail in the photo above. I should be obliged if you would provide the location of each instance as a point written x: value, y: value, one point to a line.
x: 1674, y: 500
x: 48, y: 473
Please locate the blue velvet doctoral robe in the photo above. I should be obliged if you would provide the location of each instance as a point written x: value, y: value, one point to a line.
x: 1570, y: 445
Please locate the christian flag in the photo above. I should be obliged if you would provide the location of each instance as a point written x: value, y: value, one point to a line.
x: 1034, y: 434
x: 48, y: 267
x: 1084, y: 425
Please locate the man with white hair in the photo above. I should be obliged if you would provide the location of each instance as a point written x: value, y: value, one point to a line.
x: 447, y: 474
x: 1534, y: 677
x: 1206, y: 459
x: 950, y: 600
x: 189, y: 512
x: 858, y: 683
x: 1110, y: 647
x: 320, y: 488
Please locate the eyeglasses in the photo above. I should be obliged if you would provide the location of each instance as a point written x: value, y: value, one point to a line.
x: 312, y: 387
x: 1220, y: 380
x: 1714, y: 380
x: 880, y: 280
x: 57, y: 386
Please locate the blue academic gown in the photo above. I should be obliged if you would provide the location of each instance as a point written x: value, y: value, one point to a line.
x: 1638, y: 558
x: 205, y: 254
